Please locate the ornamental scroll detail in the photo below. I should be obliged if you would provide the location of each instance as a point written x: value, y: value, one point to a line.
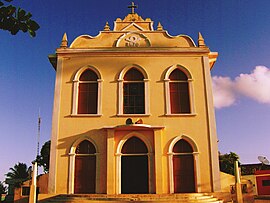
x: 133, y: 40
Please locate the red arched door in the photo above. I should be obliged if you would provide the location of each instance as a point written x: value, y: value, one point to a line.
x: 85, y: 168
x: 183, y: 167
x: 134, y: 167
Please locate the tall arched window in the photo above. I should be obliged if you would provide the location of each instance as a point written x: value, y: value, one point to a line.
x: 88, y: 93
x: 133, y: 92
x: 179, y: 92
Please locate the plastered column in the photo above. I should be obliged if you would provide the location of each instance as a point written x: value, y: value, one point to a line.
x: 110, y: 162
x: 71, y: 173
x: 159, y: 181
x: 170, y: 165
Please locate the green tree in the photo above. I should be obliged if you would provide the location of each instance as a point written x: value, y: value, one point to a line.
x: 19, y: 173
x: 44, y: 158
x: 15, y: 19
x: 3, y: 190
x: 226, y: 162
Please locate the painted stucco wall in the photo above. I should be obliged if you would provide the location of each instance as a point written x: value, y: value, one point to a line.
x: 109, y: 61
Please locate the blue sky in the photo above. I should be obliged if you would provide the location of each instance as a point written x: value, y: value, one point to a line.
x: 237, y: 29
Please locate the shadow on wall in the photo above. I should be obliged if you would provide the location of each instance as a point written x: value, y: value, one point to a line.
x: 98, y: 136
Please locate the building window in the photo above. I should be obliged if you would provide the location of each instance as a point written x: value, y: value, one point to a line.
x: 134, y: 101
x: 133, y: 98
x: 134, y: 145
x: 265, y: 183
x: 178, y: 92
x: 86, y: 92
x: 182, y: 146
x: 85, y: 147
x: 25, y: 191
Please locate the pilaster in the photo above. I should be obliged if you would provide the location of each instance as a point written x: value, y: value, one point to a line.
x: 212, y: 134
x: 71, y: 173
x: 111, y: 183
x: 55, y: 127
x: 158, y: 162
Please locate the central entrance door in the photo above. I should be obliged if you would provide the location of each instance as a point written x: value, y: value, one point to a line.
x: 85, y: 168
x: 134, y: 167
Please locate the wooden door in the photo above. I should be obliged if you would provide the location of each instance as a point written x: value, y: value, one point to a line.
x: 183, y: 171
x: 134, y: 179
x: 134, y: 167
x: 85, y: 175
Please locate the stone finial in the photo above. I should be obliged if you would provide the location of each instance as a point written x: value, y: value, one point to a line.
x: 107, y: 27
x: 159, y: 27
x: 201, y: 41
x: 64, y: 43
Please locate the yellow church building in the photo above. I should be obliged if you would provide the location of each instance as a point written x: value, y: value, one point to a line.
x: 133, y: 113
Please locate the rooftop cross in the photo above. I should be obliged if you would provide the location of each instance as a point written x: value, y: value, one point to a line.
x: 132, y: 6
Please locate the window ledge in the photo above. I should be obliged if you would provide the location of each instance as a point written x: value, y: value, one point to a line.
x: 86, y: 115
x: 133, y: 115
x: 181, y: 115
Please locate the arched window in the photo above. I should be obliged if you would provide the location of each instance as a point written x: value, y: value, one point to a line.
x: 133, y: 92
x: 179, y: 92
x: 182, y: 146
x: 88, y: 92
x: 85, y: 147
x: 134, y: 145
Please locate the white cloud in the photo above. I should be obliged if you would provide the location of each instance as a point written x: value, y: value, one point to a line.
x: 255, y: 85
x: 224, y: 95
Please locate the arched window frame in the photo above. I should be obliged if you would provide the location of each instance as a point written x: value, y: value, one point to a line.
x: 76, y: 83
x: 121, y: 81
x: 72, y: 156
x: 196, y: 161
x: 167, y: 91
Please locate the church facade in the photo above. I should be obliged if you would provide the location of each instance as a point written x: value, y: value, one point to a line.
x: 133, y: 113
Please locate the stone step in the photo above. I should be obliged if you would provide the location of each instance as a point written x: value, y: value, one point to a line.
x: 128, y: 198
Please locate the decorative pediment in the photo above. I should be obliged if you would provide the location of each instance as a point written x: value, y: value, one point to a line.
x: 133, y: 32
x: 133, y: 40
x: 133, y: 27
x: 133, y: 17
x: 133, y: 22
